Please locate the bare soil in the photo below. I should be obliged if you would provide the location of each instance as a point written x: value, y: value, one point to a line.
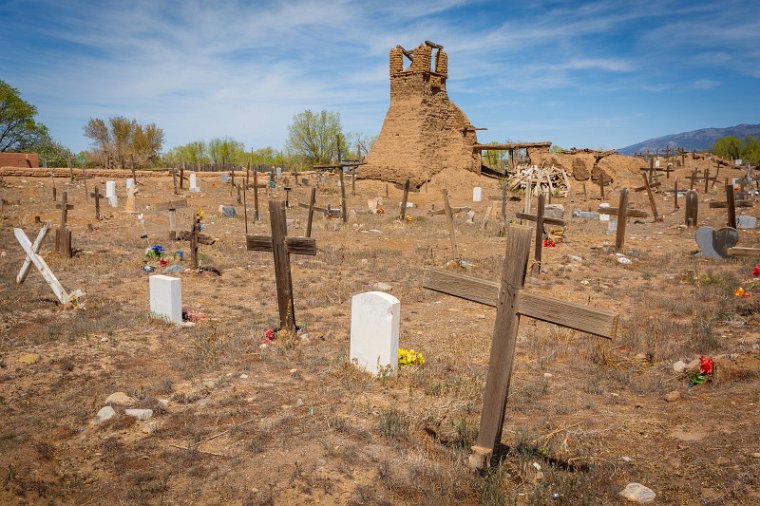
x: 293, y: 422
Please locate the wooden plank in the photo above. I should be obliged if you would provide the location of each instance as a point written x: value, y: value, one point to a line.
x: 204, y: 239
x: 653, y: 185
x: 295, y: 245
x: 568, y: 314
x: 172, y: 204
x: 511, y: 146
x: 61, y: 294
x: 504, y: 337
x: 21, y: 277
x: 744, y: 252
x: 594, y: 321
x: 404, y: 200
x: 284, y: 282
x: 539, y: 241
x: 731, y: 205
x: 547, y: 221
x: 631, y: 213
x: 622, y: 220
x: 737, y: 203
x: 312, y: 200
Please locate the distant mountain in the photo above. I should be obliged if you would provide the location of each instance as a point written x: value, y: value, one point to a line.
x: 698, y: 140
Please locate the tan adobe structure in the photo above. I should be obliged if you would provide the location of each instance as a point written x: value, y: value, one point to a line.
x: 424, y: 132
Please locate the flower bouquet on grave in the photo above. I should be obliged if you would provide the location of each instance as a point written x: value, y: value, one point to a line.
x: 154, y: 252
x: 548, y: 243
x: 706, y: 367
x: 410, y: 357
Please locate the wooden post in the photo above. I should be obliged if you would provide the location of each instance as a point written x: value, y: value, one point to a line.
x: 405, y: 199
x: 450, y: 222
x: 386, y: 190
x: 504, y: 202
x: 692, y: 208
x: 353, y: 183
x: 731, y: 205
x: 675, y: 195
x: 651, y: 198
x: 21, y: 277
x: 707, y: 179
x: 312, y: 201
x: 256, y: 195
x: 239, y: 194
x: 193, y: 241
x: 245, y: 203
x: 539, y: 234
x: 174, y: 181
x: 63, y: 235
x: 96, y: 194
x: 182, y: 177
x: 343, y: 207
x: 134, y: 176
x: 622, y: 220
x: 55, y: 197
x: 585, y: 192
x: 71, y: 171
x: 84, y: 178
x: 693, y: 178
x: 601, y: 185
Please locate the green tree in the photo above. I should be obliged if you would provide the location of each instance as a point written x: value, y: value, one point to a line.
x: 18, y: 129
x: 52, y: 153
x: 751, y: 151
x: 312, y: 137
x: 226, y: 150
x: 728, y: 148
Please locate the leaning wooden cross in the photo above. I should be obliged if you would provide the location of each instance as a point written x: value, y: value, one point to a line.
x: 32, y: 257
x: 540, y: 221
x: 195, y: 238
x: 623, y: 213
x: 406, y: 187
x: 281, y: 247
x: 172, y: 207
x: 511, y: 302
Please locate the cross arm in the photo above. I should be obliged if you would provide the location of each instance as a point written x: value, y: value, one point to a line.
x: 68, y: 206
x: 173, y: 204
x: 296, y: 245
x: 629, y: 213
x: 540, y: 307
x: 547, y: 221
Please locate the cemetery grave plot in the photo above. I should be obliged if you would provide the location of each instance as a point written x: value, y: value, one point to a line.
x: 236, y: 420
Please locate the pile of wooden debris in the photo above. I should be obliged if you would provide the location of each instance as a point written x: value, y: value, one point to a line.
x: 536, y: 180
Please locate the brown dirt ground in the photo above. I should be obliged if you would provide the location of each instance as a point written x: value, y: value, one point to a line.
x: 584, y: 418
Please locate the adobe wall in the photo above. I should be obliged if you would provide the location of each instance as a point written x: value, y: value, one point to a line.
x: 424, y: 132
x: 19, y: 160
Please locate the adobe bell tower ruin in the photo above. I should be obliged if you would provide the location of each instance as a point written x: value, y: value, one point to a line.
x: 424, y: 132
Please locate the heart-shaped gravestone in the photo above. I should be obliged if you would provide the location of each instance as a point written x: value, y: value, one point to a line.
x: 715, y: 244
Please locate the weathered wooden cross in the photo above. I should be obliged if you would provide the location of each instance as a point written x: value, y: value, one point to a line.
x: 503, y: 199
x: 32, y: 257
x: 603, y: 180
x: 172, y: 207
x: 511, y: 302
x: 62, y: 234
x: 652, y: 203
x: 623, y: 213
x: 406, y: 187
x: 691, y: 208
x: 281, y: 247
x: 540, y: 220
x: 195, y: 238
x: 96, y: 195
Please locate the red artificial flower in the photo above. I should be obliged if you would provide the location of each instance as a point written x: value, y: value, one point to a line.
x: 756, y: 272
x: 548, y: 243
x: 705, y: 365
x: 268, y: 335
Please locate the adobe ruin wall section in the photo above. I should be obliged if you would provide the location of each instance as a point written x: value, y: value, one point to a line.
x: 424, y: 132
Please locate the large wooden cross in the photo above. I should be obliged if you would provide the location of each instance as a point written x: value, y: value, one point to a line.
x: 406, y: 187
x: 652, y: 203
x: 281, y: 247
x: 511, y: 302
x: 540, y: 220
x: 96, y: 195
x: 623, y: 213
x: 63, y: 235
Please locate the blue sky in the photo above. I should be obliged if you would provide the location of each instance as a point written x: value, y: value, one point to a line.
x: 600, y: 74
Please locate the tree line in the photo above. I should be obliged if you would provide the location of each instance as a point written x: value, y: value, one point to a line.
x: 733, y: 148
x: 122, y: 142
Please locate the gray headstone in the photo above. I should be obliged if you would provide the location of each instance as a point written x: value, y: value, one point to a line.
x: 227, y: 211
x: 746, y: 221
x: 715, y: 244
x: 225, y: 178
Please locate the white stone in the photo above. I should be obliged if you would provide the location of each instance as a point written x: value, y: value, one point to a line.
x: 113, y: 200
x: 120, y: 399
x: 679, y: 366
x: 477, y: 194
x: 375, y: 320
x: 746, y: 221
x: 140, y: 414
x: 166, y: 297
x: 110, y: 189
x: 636, y: 492
x: 194, y: 183
x: 604, y: 217
x: 278, y: 171
x: 130, y: 184
x: 105, y: 413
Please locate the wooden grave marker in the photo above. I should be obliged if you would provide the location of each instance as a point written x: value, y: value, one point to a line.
x: 281, y: 247
x: 730, y: 205
x: 62, y: 234
x: 623, y: 213
x: 450, y: 222
x: 195, y: 238
x: 34, y: 258
x: 540, y: 221
x: 172, y: 207
x: 603, y: 180
x: 96, y: 195
x: 406, y: 188
x: 652, y: 203
x: 512, y: 302
x: 691, y: 208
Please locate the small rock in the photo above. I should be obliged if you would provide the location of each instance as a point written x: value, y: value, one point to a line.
x: 756, y: 455
x: 163, y: 403
x: 624, y: 260
x: 548, y: 375
x: 383, y: 287
x: 174, y: 268
x: 202, y: 402
x: 673, y: 396
x: 244, y: 376
x: 120, y: 399
x: 105, y: 413
x: 29, y: 358
x: 140, y: 414
x: 679, y: 366
x: 626, y: 458
x: 637, y: 492
x: 209, y: 383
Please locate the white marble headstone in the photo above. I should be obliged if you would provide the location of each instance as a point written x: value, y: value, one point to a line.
x: 278, y: 171
x: 375, y: 319
x: 130, y: 184
x: 166, y: 297
x: 604, y: 217
x: 110, y: 189
x: 477, y: 194
x: 746, y: 221
x: 194, y: 183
